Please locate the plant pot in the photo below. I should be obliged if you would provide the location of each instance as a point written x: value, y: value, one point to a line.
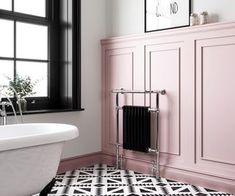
x: 22, y: 102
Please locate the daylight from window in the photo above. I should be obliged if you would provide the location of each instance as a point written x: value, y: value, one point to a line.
x: 24, y: 44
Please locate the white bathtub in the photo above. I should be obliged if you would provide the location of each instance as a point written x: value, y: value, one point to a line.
x: 30, y: 155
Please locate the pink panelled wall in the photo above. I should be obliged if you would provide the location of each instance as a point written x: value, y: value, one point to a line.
x: 196, y: 66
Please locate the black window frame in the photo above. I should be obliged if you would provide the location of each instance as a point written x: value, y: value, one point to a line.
x: 56, y: 101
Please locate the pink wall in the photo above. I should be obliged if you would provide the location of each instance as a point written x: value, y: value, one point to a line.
x: 197, y: 127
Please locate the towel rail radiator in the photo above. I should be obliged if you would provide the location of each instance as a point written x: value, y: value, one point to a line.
x: 156, y: 151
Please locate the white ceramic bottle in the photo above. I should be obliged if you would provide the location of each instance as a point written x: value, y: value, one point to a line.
x: 194, y: 20
x: 203, y: 18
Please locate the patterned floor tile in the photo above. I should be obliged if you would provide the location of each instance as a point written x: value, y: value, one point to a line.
x: 105, y: 180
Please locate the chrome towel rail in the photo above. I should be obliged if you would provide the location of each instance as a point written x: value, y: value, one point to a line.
x: 155, y: 163
x: 123, y: 91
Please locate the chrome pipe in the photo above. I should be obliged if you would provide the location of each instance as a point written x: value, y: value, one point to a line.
x: 150, y: 150
x: 150, y: 109
x: 3, y: 112
x: 4, y: 116
x: 117, y: 120
x: 117, y: 156
x: 117, y: 136
x: 157, y: 137
x: 153, y: 110
x: 123, y: 91
x: 157, y: 118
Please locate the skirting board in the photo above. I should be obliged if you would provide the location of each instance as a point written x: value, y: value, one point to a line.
x: 145, y: 167
x: 189, y: 177
x: 79, y: 161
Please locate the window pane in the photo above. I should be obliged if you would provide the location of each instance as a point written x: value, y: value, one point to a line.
x: 38, y: 74
x: 31, y: 41
x: 6, y: 38
x: 6, y: 71
x: 6, y: 4
x: 32, y: 7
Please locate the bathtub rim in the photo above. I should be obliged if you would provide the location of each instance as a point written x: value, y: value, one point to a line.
x: 57, y: 132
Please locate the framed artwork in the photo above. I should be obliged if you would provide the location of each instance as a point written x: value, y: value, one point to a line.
x: 166, y: 14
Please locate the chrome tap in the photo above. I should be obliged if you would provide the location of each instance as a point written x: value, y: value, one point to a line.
x: 3, y: 112
x: 7, y: 103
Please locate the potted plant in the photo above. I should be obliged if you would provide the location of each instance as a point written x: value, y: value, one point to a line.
x: 23, y: 87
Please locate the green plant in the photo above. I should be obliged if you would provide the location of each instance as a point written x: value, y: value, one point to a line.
x: 23, y: 86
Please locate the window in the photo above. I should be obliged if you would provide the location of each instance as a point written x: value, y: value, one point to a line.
x: 35, y: 7
x: 6, y: 5
x: 35, y: 42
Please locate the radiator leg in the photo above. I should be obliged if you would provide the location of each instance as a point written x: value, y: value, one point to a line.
x: 117, y: 133
x: 158, y: 166
x: 118, y: 157
x: 120, y: 161
x: 154, y: 168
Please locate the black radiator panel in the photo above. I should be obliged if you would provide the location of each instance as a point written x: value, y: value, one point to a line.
x: 136, y: 128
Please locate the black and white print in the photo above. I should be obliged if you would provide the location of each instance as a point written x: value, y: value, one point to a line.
x: 166, y: 14
x: 105, y: 180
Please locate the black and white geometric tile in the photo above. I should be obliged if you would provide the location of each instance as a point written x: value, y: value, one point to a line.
x: 105, y: 180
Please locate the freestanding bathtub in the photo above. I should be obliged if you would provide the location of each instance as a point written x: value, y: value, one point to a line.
x: 30, y: 155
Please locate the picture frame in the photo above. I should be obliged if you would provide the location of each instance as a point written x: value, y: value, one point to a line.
x: 166, y: 14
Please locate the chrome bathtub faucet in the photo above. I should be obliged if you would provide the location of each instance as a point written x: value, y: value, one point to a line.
x: 3, y: 112
x: 8, y: 103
